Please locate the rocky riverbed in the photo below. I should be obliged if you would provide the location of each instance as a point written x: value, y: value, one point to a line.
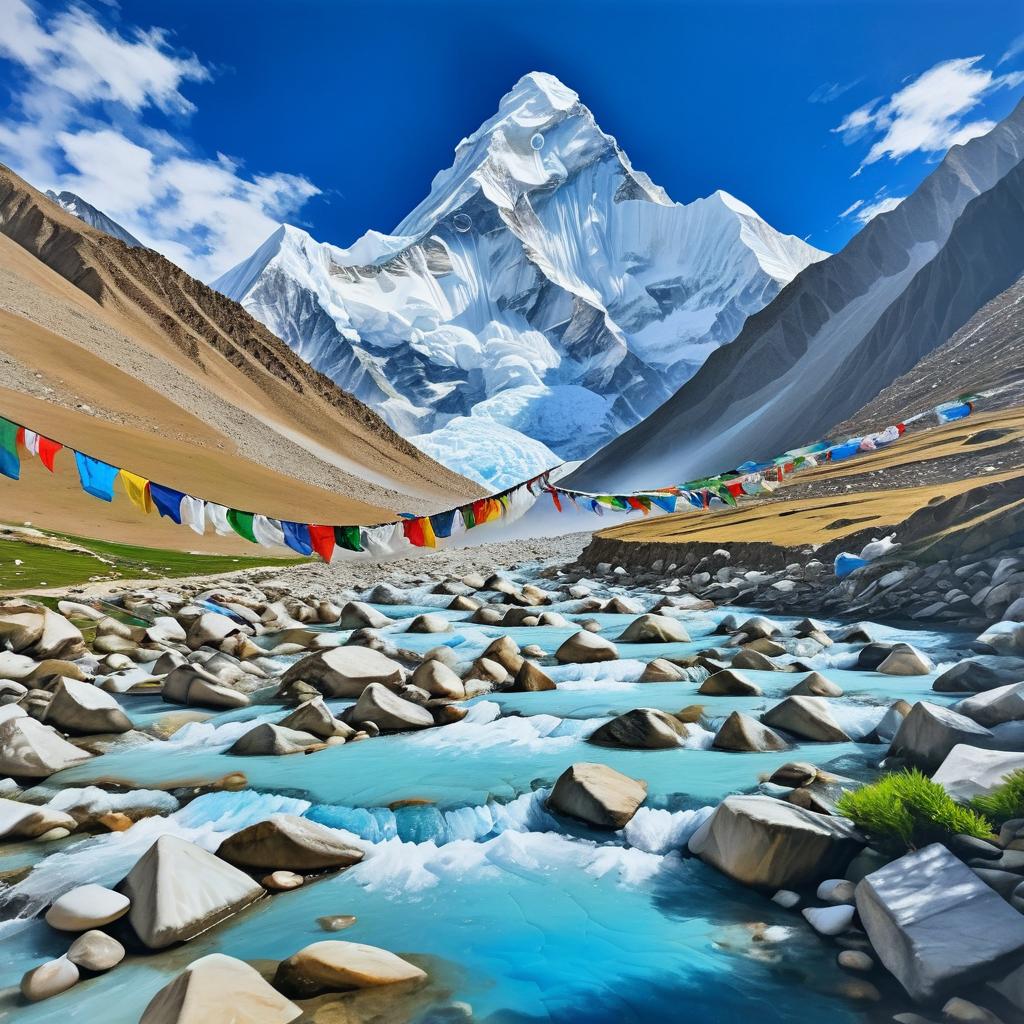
x: 541, y: 790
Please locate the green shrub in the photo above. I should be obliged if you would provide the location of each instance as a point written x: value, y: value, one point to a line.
x: 906, y: 810
x: 1006, y: 801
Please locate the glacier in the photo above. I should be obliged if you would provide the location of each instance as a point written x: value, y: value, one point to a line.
x: 543, y: 298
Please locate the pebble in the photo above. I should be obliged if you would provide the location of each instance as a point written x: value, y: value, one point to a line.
x: 855, y: 960
x: 95, y: 951
x: 336, y: 922
x: 85, y: 907
x: 829, y: 920
x: 786, y: 898
x: 282, y: 881
x: 836, y: 890
x: 49, y: 979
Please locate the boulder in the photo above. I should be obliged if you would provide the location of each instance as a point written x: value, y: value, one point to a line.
x: 642, y: 729
x: 195, y: 686
x: 968, y: 771
x: 85, y: 709
x: 622, y: 606
x: 806, y: 717
x: 661, y: 671
x: 95, y: 951
x: 597, y: 795
x: 288, y: 842
x: 269, y: 740
x: 218, y: 989
x: 754, y: 661
x: 758, y: 627
x: 86, y: 907
x: 15, y: 667
x: 742, y: 733
x: 905, y: 660
x: 814, y: 684
x: 49, y: 979
x: 30, y: 749
x: 729, y: 683
x: 429, y: 624
x: 505, y: 651
x: 829, y: 920
x: 530, y: 679
x: 929, y: 733
x: 27, y: 821
x: 871, y: 655
x: 487, y: 670
x: 388, y: 711
x: 585, y: 647
x: 438, y: 680
x: 1004, y: 638
x: 38, y: 632
x: 336, y: 966
x: 794, y: 774
x: 659, y: 629
x: 936, y: 926
x: 178, y: 890
x: 211, y: 628
x: 346, y: 671
x: 890, y: 723
x: 384, y: 593
x: 993, y: 707
x: 357, y: 615
x: 769, y: 843
x: 460, y: 603
x: 978, y: 674
x: 315, y: 717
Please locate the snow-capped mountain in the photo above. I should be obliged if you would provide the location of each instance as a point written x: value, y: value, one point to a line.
x: 77, y: 206
x: 543, y: 298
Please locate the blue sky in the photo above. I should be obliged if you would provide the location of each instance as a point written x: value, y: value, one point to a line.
x: 200, y: 125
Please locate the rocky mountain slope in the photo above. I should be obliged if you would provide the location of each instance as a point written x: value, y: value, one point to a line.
x: 117, y: 351
x: 543, y: 297
x: 845, y: 327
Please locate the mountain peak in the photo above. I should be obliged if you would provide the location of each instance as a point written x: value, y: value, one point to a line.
x: 84, y: 211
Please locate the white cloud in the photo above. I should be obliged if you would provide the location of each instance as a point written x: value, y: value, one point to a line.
x: 84, y: 108
x: 1015, y: 49
x: 863, y: 211
x: 928, y: 114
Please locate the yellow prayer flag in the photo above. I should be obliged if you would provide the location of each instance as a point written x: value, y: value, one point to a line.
x: 137, y: 489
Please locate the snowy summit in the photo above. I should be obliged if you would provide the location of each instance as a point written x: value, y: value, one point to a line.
x: 544, y: 297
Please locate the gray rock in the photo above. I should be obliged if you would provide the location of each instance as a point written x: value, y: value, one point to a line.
x: 855, y: 960
x: 905, y: 660
x: 84, y: 709
x: 218, y: 989
x: 95, y: 951
x: 772, y: 844
x: 357, y: 615
x: 976, y: 675
x: 168, y: 904
x: 661, y: 671
x: 755, y: 661
x: 968, y: 771
x: 195, y: 686
x: 654, y: 629
x: 429, y: 624
x: 728, y: 683
x: 269, y: 740
x: 30, y: 749
x: 288, y: 842
x: 793, y: 774
x: 49, y: 979
x: 806, y: 717
x: 642, y: 729
x: 993, y: 707
x: 597, y: 795
x: 334, y: 966
x: 438, y: 680
x: 315, y: 717
x: 935, y: 925
x: 388, y: 711
x: 930, y: 732
x: 814, y: 684
x: 586, y: 648
x: 345, y: 671
x: 742, y: 733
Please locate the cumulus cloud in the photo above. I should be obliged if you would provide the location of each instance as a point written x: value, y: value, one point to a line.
x: 929, y: 114
x: 86, y: 117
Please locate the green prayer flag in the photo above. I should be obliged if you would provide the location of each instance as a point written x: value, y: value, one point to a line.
x: 347, y: 537
x: 241, y: 523
x: 467, y: 516
x: 10, y: 464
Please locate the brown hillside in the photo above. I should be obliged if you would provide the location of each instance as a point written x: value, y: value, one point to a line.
x: 123, y: 354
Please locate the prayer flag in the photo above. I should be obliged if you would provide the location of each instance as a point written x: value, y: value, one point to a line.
x: 322, y: 539
x: 137, y: 489
x: 97, y: 478
x: 47, y: 452
x: 347, y: 537
x: 167, y: 501
x: 241, y: 523
x: 296, y: 536
x: 10, y: 464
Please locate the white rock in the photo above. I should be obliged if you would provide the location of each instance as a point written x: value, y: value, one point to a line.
x: 830, y: 920
x: 836, y: 890
x: 969, y: 771
x: 786, y: 898
x: 32, y: 749
x: 85, y: 907
x: 49, y: 979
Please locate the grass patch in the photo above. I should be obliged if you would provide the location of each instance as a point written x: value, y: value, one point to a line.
x: 906, y: 810
x: 44, y: 566
x: 1005, y: 802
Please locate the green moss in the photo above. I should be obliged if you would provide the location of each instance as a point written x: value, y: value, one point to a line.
x: 43, y: 566
x: 1005, y: 802
x: 906, y: 810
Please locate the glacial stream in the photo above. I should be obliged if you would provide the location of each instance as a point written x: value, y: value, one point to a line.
x: 518, y: 916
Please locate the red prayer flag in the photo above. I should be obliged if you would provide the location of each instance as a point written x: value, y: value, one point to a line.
x: 413, y: 530
x: 322, y: 539
x: 47, y: 451
x: 735, y: 488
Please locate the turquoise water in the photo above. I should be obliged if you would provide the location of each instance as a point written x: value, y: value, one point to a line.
x: 522, y: 916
